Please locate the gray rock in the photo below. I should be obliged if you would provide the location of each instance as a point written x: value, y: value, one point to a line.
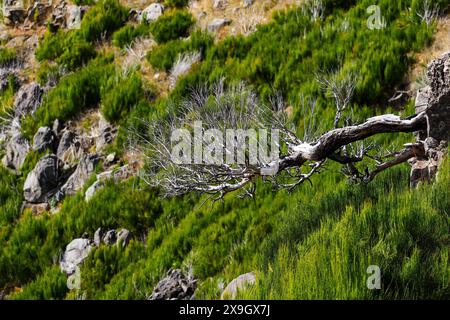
x: 110, y: 237
x: 151, y: 13
x: 76, y: 252
x: 98, y: 235
x: 217, y: 24
x: 247, y: 3
x: 42, y: 181
x: 44, y: 139
x: 106, y: 137
x: 123, y: 237
x: 238, y: 284
x: 57, y: 128
x: 220, y: 4
x: 4, y: 36
x: 13, y: 16
x: 16, y: 152
x: 6, y: 74
x: 69, y: 148
x: 28, y: 99
x: 81, y: 174
x: 74, y: 16
x: 175, y: 286
x: 92, y: 190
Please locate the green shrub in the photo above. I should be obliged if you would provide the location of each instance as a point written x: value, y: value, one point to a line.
x: 74, y: 93
x: 83, y: 2
x: 66, y: 48
x: 119, y: 95
x: 103, y: 19
x: 125, y: 36
x: 177, y: 3
x: 172, y: 26
x: 7, y: 56
x: 163, y: 56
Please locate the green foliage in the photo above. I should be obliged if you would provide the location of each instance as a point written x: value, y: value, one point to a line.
x: 300, y: 248
x: 177, y: 3
x: 103, y: 19
x: 119, y: 95
x: 74, y: 48
x: 164, y: 56
x: 7, y: 56
x: 83, y: 2
x: 125, y: 36
x: 74, y: 93
x: 172, y: 26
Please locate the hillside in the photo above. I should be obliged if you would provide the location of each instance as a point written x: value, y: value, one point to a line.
x: 91, y: 208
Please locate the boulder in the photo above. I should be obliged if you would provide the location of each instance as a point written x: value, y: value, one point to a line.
x: 110, y: 237
x: 44, y: 139
x: 76, y: 252
x: 98, y: 235
x: 238, y: 284
x: 42, y: 181
x: 69, y: 147
x: 92, y: 190
x: 217, y: 24
x: 81, y: 174
x: 175, y: 286
x: 74, y: 16
x: 123, y: 237
x: 151, y: 13
x: 28, y: 99
x: 16, y: 152
x: 57, y: 128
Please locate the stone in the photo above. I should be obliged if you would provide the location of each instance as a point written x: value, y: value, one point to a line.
x: 69, y: 148
x: 217, y: 24
x: 4, y: 37
x: 92, y: 190
x: 220, y: 4
x: 13, y: 16
x: 76, y: 252
x: 435, y: 99
x: 151, y: 13
x: 42, y: 181
x: 74, y: 16
x: 110, y: 237
x: 123, y: 237
x: 57, y: 128
x: 98, y: 235
x: 238, y: 284
x: 247, y: 3
x: 81, y: 174
x: 106, y: 136
x: 16, y: 151
x: 44, y: 139
x: 177, y: 285
x: 110, y: 158
x: 28, y: 99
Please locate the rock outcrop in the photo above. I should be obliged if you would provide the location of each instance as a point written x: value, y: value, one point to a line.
x: 76, y: 252
x: 42, y: 182
x: 81, y: 174
x: 44, y: 139
x: 16, y: 151
x: 217, y: 24
x: 151, y: 13
x: 434, y: 100
x: 177, y: 285
x: 238, y: 284
x: 28, y: 99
